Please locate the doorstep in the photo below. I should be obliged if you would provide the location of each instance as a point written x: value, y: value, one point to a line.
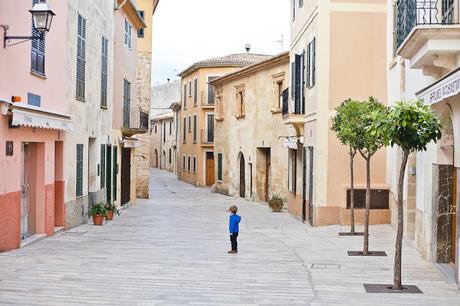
x: 447, y: 272
x: 32, y: 239
x: 58, y: 230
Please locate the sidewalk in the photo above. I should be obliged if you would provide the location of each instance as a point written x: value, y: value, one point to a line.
x: 172, y: 250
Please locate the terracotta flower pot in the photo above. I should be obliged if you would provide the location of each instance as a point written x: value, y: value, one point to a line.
x: 109, y: 215
x: 98, y: 219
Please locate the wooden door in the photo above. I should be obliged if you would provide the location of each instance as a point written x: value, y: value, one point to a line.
x: 242, y: 177
x: 304, y: 184
x: 115, y: 172
x: 125, y: 176
x: 25, y: 187
x: 267, y: 174
x: 454, y: 216
x: 209, y: 168
x: 108, y: 173
x: 310, y: 184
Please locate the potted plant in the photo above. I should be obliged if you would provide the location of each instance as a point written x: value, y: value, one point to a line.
x: 276, y: 203
x: 111, y: 209
x: 98, y: 212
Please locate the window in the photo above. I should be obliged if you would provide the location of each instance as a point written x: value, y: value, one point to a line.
x: 185, y: 96
x: 169, y: 159
x: 185, y: 130
x: 240, y: 102
x: 211, y: 90
x: 311, y: 63
x: 183, y: 162
x: 155, y: 129
x: 164, y: 132
x: 128, y: 29
x: 194, y: 164
x: 300, y: 3
x: 102, y: 166
x: 170, y: 127
x: 33, y: 99
x: 194, y: 128
x: 188, y: 164
x: 210, y: 128
x: 292, y: 170
x: 140, y: 32
x: 189, y: 124
x: 219, y: 167
x: 195, y: 91
x: 190, y: 88
x: 38, y: 50
x: 104, y: 56
x: 81, y: 58
x: 79, y: 174
x: 126, y: 103
x: 279, y: 96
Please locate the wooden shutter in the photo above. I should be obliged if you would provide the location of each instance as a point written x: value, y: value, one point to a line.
x: 115, y: 171
x: 79, y: 174
x: 194, y: 127
x: 140, y: 32
x: 185, y: 129
x: 195, y: 91
x: 302, y: 82
x: 38, y: 50
x: 293, y: 80
x: 81, y: 57
x: 104, y: 57
x: 219, y: 166
x: 185, y: 95
x: 211, y: 90
x: 308, y: 65
x: 102, y: 165
x: 313, y: 73
x: 297, y: 85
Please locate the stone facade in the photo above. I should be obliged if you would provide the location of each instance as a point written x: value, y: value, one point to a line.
x: 144, y: 95
x: 250, y: 159
x: 163, y: 142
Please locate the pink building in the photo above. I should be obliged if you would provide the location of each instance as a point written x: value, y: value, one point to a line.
x: 32, y: 131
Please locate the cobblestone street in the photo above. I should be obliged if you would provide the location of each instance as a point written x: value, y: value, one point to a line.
x: 172, y: 250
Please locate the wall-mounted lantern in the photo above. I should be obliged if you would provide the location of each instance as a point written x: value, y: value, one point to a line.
x: 42, y: 16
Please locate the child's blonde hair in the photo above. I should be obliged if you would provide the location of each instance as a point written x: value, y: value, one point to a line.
x: 233, y: 209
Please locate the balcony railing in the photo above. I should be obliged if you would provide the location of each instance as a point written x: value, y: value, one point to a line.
x: 207, y: 137
x: 412, y: 13
x: 135, y: 120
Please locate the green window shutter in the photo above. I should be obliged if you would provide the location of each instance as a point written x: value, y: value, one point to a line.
x: 102, y: 166
x: 79, y: 174
x: 81, y: 58
x: 219, y: 167
x: 115, y: 172
x: 104, y: 73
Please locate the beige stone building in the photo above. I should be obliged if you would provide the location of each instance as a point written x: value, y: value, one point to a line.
x: 338, y: 51
x: 163, y: 142
x: 423, y: 60
x: 146, y: 9
x: 196, y: 116
x: 249, y: 131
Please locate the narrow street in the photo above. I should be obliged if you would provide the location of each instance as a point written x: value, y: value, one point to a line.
x: 172, y: 250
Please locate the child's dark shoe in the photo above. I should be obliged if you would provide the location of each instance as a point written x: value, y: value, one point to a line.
x: 232, y: 252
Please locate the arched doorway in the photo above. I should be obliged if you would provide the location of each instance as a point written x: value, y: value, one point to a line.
x: 156, y: 158
x: 445, y: 205
x: 242, y: 177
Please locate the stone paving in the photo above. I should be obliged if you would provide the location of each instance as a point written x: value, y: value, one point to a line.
x: 172, y: 250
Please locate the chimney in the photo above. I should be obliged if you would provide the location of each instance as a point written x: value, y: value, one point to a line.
x: 247, y: 47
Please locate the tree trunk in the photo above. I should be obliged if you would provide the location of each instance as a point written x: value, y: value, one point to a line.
x: 368, y: 206
x: 399, y: 236
x: 352, y: 196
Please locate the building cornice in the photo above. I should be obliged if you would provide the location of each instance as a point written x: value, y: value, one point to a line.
x: 132, y: 12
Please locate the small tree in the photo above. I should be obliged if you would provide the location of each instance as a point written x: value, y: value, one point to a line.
x: 411, y: 126
x: 345, y: 125
x: 371, y: 139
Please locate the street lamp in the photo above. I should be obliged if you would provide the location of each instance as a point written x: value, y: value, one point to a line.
x: 42, y: 16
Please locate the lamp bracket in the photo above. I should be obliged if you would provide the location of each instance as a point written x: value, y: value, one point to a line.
x: 25, y: 38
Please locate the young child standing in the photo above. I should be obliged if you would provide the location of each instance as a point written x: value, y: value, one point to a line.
x: 233, y: 227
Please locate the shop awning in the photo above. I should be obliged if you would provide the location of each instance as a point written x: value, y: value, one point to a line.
x: 36, y: 117
x: 446, y: 87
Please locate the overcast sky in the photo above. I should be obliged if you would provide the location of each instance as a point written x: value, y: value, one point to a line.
x: 187, y: 31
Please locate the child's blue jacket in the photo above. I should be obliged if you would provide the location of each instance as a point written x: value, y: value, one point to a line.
x: 233, y: 224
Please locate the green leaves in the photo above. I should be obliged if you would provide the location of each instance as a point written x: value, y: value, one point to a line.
x: 345, y: 123
x: 413, y: 125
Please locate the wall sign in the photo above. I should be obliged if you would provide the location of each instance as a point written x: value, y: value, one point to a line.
x: 9, y: 148
x: 446, y: 88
